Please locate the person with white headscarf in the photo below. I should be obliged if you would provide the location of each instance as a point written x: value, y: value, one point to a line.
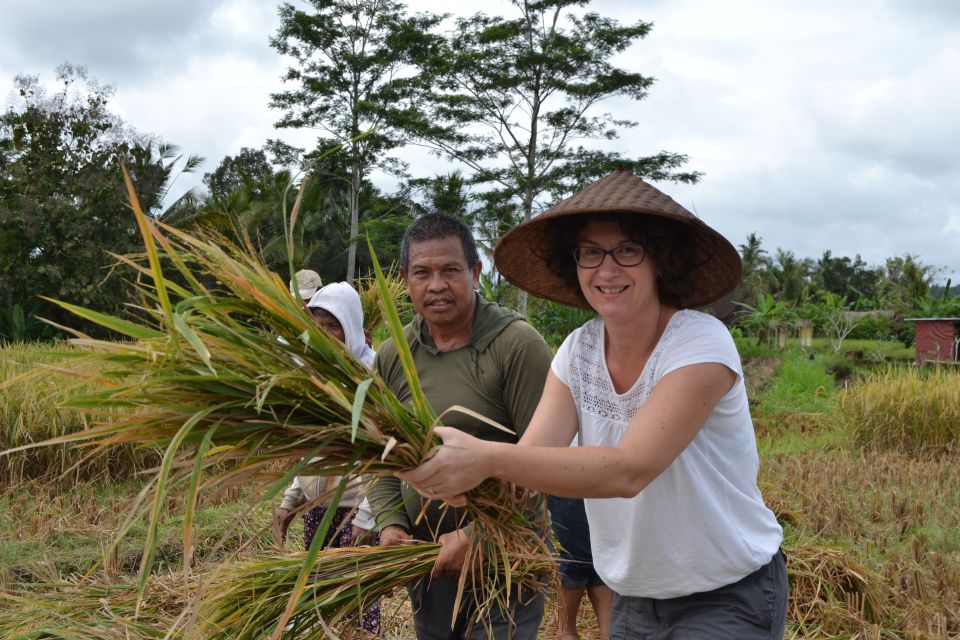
x: 338, y: 310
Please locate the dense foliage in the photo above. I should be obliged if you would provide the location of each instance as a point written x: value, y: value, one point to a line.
x: 62, y: 206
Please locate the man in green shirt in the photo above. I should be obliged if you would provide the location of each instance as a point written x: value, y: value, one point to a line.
x: 472, y: 353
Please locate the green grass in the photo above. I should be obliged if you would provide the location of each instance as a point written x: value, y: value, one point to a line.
x: 65, y: 529
x: 802, y: 385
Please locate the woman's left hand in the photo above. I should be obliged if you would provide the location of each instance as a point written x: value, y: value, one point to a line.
x: 458, y: 465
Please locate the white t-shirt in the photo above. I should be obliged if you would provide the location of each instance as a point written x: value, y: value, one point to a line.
x: 702, y: 523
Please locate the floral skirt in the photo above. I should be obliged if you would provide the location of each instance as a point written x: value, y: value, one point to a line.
x: 340, y: 534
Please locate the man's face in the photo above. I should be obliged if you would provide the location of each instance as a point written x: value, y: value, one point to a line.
x: 440, y: 283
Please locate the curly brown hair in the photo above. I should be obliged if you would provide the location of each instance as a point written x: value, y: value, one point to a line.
x: 670, y: 244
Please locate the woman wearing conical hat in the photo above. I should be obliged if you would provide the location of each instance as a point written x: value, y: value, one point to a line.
x: 653, y: 390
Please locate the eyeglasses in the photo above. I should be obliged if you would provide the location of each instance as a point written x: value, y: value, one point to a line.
x: 626, y: 255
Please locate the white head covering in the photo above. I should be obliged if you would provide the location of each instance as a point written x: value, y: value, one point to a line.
x: 343, y: 302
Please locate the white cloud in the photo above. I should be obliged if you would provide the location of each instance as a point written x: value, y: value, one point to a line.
x: 818, y: 125
x: 952, y: 225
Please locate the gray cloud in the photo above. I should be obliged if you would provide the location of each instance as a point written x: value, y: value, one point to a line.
x: 818, y: 125
x: 126, y: 42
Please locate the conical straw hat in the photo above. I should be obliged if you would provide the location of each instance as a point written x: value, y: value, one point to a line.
x: 522, y: 254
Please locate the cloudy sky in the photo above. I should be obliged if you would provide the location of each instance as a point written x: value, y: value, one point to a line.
x: 818, y: 125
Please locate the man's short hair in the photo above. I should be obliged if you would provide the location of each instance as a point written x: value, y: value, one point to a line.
x: 433, y: 226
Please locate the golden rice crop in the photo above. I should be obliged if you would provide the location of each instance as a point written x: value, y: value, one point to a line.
x: 370, y: 299
x: 906, y: 409
x: 89, y: 610
x: 35, y: 384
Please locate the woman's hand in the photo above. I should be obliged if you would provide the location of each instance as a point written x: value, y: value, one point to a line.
x: 460, y: 464
x: 280, y: 525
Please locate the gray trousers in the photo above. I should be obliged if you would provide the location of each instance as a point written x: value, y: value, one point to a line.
x: 433, y: 601
x: 754, y: 608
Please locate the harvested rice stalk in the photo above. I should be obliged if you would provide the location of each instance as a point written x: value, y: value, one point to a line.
x: 227, y: 373
x: 829, y: 591
x: 86, y: 610
x: 248, y: 597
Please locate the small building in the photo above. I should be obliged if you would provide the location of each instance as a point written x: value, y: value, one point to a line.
x: 936, y: 339
x: 778, y: 331
x: 804, y: 332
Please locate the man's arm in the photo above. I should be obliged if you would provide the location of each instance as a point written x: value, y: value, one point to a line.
x: 384, y: 495
x: 386, y: 502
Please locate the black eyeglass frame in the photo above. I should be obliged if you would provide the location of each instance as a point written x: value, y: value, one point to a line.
x: 611, y: 253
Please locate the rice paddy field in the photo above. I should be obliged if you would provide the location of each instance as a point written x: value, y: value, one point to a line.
x: 859, y: 459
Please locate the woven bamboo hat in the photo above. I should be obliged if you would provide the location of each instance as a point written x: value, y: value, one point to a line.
x: 523, y: 254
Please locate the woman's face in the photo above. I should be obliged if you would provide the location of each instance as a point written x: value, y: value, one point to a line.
x: 329, y: 323
x: 615, y: 291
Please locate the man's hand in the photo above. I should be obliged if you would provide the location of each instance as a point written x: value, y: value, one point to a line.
x: 393, y: 535
x: 280, y: 525
x: 453, y: 554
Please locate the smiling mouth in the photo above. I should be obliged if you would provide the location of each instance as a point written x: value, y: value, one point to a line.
x: 612, y: 290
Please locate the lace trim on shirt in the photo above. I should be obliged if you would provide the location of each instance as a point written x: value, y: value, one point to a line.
x: 590, y: 383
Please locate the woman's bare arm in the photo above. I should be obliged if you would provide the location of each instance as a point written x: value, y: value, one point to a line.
x: 676, y: 410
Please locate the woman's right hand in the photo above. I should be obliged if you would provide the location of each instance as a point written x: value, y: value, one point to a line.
x: 460, y: 464
x: 280, y: 525
x: 392, y: 535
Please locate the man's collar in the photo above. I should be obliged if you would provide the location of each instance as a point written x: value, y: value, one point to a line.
x: 489, y: 319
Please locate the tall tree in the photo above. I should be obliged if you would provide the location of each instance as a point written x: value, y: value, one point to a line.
x: 62, y: 203
x: 351, y: 58
x: 788, y: 276
x: 908, y: 279
x: 249, y: 169
x: 515, y: 97
x: 852, y: 280
x: 756, y: 263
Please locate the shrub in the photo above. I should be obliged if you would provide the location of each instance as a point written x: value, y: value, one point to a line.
x: 905, y: 409
x: 556, y: 321
x: 875, y: 327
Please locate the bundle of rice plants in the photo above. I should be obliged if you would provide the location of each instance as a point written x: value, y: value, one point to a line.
x: 89, y: 610
x: 832, y: 593
x: 249, y: 597
x: 226, y: 372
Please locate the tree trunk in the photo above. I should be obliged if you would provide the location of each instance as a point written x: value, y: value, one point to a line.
x: 527, y: 214
x: 354, y: 221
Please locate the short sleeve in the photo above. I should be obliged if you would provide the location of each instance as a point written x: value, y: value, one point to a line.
x: 561, y: 361
x: 699, y: 340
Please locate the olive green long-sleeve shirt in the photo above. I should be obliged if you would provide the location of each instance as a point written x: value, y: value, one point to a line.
x: 500, y: 374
